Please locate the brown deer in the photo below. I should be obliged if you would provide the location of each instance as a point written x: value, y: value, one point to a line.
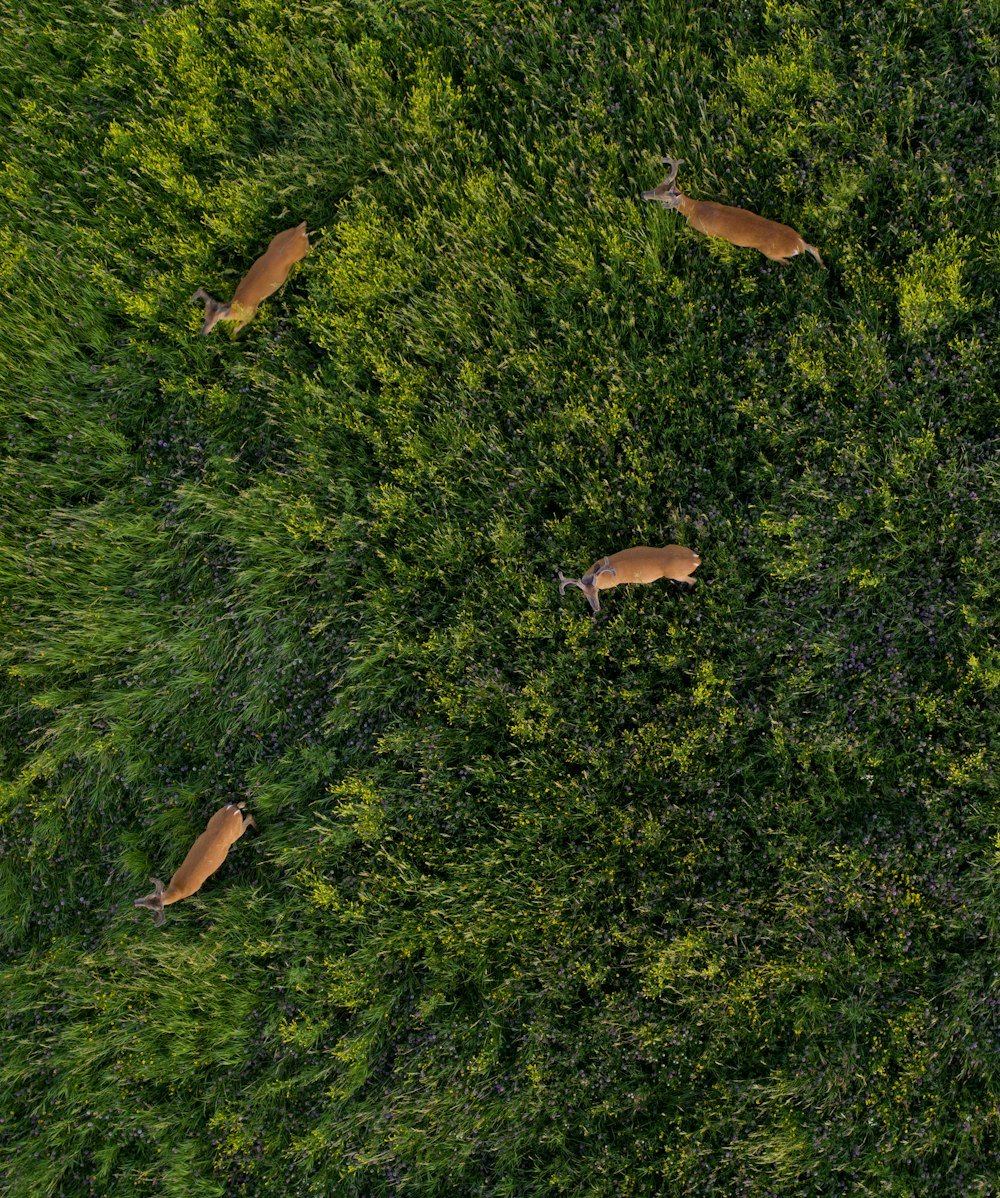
x: 262, y: 279
x: 204, y: 857
x: 735, y: 225
x: 641, y: 564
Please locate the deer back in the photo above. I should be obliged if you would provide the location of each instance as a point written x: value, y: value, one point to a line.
x: 271, y: 269
x: 207, y: 853
x: 644, y: 563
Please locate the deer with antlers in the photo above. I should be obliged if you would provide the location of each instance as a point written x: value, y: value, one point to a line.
x: 204, y: 857
x: 735, y: 225
x: 262, y: 279
x: 642, y: 563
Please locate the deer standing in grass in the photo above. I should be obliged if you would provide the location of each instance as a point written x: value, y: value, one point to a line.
x: 735, y: 225
x: 204, y: 857
x: 641, y: 564
x: 262, y: 279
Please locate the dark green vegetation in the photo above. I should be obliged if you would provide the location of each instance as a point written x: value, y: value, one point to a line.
x: 699, y: 899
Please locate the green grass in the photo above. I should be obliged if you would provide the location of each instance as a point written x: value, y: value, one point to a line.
x: 698, y: 898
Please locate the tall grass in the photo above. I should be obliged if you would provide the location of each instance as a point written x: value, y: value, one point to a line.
x: 698, y: 898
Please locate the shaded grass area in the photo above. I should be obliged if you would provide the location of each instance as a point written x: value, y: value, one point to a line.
x: 698, y: 898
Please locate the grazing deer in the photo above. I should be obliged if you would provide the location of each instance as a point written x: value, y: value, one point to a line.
x: 261, y: 280
x: 204, y: 857
x: 735, y: 225
x: 641, y: 564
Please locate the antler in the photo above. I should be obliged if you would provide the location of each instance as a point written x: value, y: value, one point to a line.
x: 674, y: 164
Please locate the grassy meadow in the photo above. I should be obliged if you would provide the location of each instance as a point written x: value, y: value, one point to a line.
x: 697, y: 898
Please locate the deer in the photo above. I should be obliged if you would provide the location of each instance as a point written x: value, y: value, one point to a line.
x: 640, y: 564
x: 262, y: 279
x: 735, y: 225
x: 204, y: 857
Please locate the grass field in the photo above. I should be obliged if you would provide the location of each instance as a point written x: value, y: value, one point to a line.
x: 697, y: 898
